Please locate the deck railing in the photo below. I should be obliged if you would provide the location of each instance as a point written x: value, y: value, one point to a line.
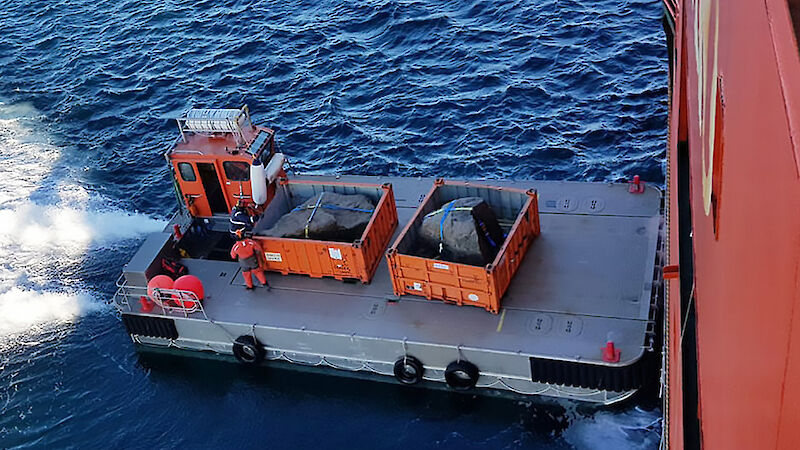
x: 672, y: 8
x: 166, y: 302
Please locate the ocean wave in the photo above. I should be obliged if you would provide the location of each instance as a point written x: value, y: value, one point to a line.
x: 48, y: 224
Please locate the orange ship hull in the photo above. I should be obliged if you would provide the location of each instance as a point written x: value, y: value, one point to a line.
x: 732, y: 328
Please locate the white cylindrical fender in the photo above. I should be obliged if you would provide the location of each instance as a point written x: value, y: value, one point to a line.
x: 258, y: 182
x: 275, y: 166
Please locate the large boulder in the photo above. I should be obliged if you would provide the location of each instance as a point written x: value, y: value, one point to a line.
x: 338, y: 217
x: 465, y: 229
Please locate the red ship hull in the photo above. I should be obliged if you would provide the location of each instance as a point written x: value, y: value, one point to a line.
x: 732, y: 332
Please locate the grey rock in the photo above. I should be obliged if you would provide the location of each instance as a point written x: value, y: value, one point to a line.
x: 469, y: 233
x: 339, y: 217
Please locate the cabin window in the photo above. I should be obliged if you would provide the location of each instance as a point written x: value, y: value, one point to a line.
x: 236, y: 170
x: 187, y: 171
x: 266, y: 155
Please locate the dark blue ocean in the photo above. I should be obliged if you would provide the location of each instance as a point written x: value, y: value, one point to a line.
x: 551, y: 89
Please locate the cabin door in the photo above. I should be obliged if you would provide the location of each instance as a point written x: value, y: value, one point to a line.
x: 213, y: 189
x: 237, y: 180
x: 191, y: 188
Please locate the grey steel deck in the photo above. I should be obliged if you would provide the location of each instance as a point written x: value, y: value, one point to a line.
x: 587, y: 279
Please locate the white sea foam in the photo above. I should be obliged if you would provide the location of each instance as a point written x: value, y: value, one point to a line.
x: 611, y: 430
x: 42, y: 241
x: 23, y: 309
x: 59, y: 228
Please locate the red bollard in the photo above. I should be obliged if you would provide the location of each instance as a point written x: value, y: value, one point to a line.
x: 147, y: 305
x: 636, y: 186
x: 176, y: 229
x: 610, y: 353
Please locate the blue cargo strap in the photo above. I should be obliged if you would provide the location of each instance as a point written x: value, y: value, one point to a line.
x: 345, y: 208
x: 441, y: 225
x: 486, y: 233
x: 342, y: 208
x: 439, y: 211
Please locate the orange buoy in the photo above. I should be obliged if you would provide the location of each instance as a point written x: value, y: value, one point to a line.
x: 189, y: 283
x: 158, y: 282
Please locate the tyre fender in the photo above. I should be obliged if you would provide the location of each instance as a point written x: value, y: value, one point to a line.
x: 408, y: 370
x: 248, y: 350
x: 461, y: 375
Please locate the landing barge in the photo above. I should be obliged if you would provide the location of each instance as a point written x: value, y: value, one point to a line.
x: 577, y: 320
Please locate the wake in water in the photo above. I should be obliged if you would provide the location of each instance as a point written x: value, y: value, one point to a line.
x: 612, y: 430
x: 48, y: 223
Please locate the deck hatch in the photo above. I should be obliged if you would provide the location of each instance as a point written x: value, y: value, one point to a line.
x: 591, y: 376
x: 158, y: 327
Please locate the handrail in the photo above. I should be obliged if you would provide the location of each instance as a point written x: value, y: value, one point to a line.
x: 193, y: 152
x: 671, y: 7
x: 175, y: 300
x: 119, y: 299
x: 169, y: 301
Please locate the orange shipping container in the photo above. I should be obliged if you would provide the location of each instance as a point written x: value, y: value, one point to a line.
x: 465, y: 284
x: 340, y: 260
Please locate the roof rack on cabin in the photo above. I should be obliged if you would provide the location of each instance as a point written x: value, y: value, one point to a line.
x: 217, y: 121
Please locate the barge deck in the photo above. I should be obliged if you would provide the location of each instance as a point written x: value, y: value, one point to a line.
x: 590, y: 278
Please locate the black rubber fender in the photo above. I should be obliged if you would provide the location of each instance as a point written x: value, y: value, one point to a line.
x: 461, y: 375
x: 408, y: 370
x: 248, y: 350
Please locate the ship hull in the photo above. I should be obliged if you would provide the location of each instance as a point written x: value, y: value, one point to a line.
x: 732, y: 338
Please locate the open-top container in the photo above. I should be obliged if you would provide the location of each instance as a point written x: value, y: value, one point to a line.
x: 341, y: 260
x: 516, y: 210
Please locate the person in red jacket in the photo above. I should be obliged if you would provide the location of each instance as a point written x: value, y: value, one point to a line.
x: 246, y: 251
